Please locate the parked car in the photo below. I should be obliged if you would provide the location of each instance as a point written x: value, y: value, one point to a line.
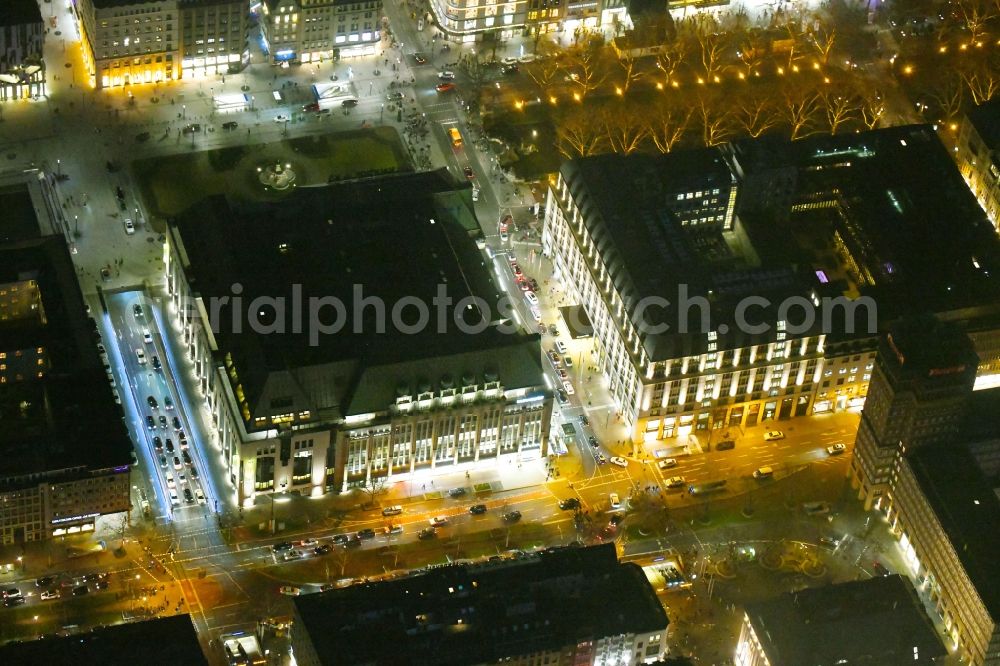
x: 773, y: 435
x: 444, y: 87
x: 666, y: 463
x: 427, y: 533
x: 50, y: 595
x: 367, y: 533
x: 725, y: 445
x: 477, y: 509
x: 457, y: 492
x: 290, y: 590
x: 446, y: 75
x: 129, y: 226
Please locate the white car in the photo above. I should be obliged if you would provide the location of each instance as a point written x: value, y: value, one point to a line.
x: 561, y: 347
x: 200, y: 496
x: 836, y: 449
x: 616, y: 502
x: 618, y: 460
x: 170, y: 481
x: 49, y: 595
x: 475, y: 194
x: 675, y: 482
x: 173, y: 498
x: 439, y: 521
x: 129, y: 227
x: 773, y: 435
x: 508, y: 61
x: 393, y: 529
x: 667, y: 463
x: 290, y: 590
x: 146, y: 336
x: 568, y: 388
x: 531, y: 298
x: 141, y: 356
x: 281, y: 118
x: 446, y: 75
x: 527, y: 57
x: 536, y: 314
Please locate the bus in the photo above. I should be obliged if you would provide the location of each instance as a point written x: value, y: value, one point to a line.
x: 455, y: 136
x: 707, y: 487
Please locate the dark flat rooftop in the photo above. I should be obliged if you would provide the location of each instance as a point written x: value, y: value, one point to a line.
x: 168, y: 640
x: 19, y: 221
x: 19, y: 12
x: 68, y: 419
x: 968, y: 510
x: 464, y: 614
x: 877, y: 621
x: 986, y: 119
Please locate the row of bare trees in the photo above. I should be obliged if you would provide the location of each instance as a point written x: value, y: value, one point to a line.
x: 714, y: 115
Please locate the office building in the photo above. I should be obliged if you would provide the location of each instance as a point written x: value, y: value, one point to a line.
x: 128, y: 42
x: 923, y: 377
x: 876, y: 621
x: 840, y: 234
x: 315, y: 31
x: 301, y: 409
x: 563, y: 606
x: 165, y: 640
x: 978, y: 157
x: 947, y: 518
x: 22, y: 35
x: 64, y: 452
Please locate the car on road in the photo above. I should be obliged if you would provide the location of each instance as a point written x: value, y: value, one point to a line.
x: 829, y: 542
x: 439, y: 521
x: 150, y: 422
x: 836, y: 449
x: 290, y: 590
x: 200, y: 496
x: 562, y: 396
x: 151, y: 401
x: 562, y: 373
x: 394, y: 95
x: 419, y: 59
x: 512, y: 516
x: 601, y: 460
x: 192, y: 128
x: 281, y: 118
x: 618, y: 460
x: 457, y: 492
x: 186, y: 457
x: 561, y: 347
x: 353, y: 542
x: 446, y: 75
x: 167, y: 402
x: 129, y: 226
x: 725, y: 445
x: 230, y: 125
x: 177, y: 423
x: 322, y: 550
x: 567, y: 361
x: 477, y: 509
x: 394, y: 510
x: 140, y: 356
x: 615, y: 501
x: 444, y: 87
x: 101, y: 585
x: 291, y: 555
x: 509, y: 60
x: 469, y: 173
x: 568, y: 388
x: 157, y: 365
x: 170, y: 445
x: 137, y: 311
x: 816, y: 508
x: 510, y: 69
x: 531, y: 297
x: 50, y: 595
x: 773, y: 435
x: 188, y: 496
x: 475, y: 194
x: 142, y: 137
x: 675, y: 482
x: 10, y: 602
x: 340, y: 539
x: 592, y: 440
x: 147, y: 337
x: 44, y: 581
x: 163, y: 421
x: 163, y: 461
x: 177, y: 463
x: 11, y: 592
x: 284, y: 545
x: 426, y: 533
x: 569, y: 504
x: 80, y: 591
x: 194, y: 472
x: 367, y: 533
x: 392, y: 529
x: 667, y: 463
x: 584, y: 420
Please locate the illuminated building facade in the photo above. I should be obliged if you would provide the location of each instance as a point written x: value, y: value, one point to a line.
x: 978, y: 155
x: 64, y: 453
x: 22, y: 34
x: 128, y: 42
x: 362, y: 407
x: 319, y: 30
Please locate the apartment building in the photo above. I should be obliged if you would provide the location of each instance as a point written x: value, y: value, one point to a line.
x: 320, y: 30
x: 549, y: 607
x: 128, y: 42
x: 977, y: 156
x: 64, y: 452
x: 22, y: 35
x: 875, y: 621
x: 370, y: 405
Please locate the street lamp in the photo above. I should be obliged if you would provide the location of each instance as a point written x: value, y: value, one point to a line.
x: 381, y: 113
x: 184, y: 111
x: 274, y: 499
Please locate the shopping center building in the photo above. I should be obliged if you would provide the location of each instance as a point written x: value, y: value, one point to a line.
x: 846, y: 228
x: 389, y: 397
x: 304, y: 31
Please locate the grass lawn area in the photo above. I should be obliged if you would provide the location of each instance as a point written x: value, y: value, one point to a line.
x: 171, y: 184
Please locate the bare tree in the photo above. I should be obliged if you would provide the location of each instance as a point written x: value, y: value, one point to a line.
x: 716, y: 119
x: 976, y: 14
x: 624, y: 129
x: 373, y: 487
x: 629, y: 73
x: 872, y: 109
x: 823, y: 41
x: 799, y: 108
x: 756, y: 114
x: 712, y: 48
x: 751, y: 53
x: 670, y: 58
x: 948, y: 93
x: 667, y: 125
x: 544, y: 71
x: 577, y: 135
x: 840, y: 107
x: 982, y: 80
x: 584, y: 66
